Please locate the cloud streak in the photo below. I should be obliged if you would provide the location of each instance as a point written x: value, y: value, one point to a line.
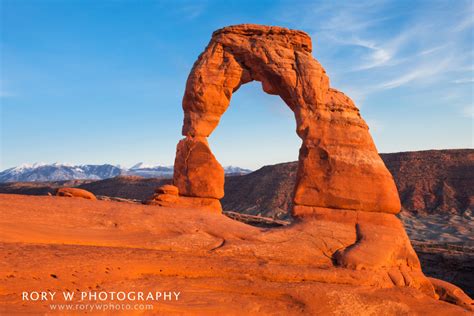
x: 371, y: 47
x: 425, y: 71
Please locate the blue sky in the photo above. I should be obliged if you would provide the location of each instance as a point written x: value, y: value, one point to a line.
x: 102, y: 81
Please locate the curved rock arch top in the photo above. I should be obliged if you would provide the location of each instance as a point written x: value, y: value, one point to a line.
x: 339, y: 166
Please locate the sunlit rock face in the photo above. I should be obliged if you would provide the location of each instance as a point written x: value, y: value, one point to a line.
x: 339, y: 166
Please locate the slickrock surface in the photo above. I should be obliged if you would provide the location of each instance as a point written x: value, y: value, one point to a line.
x: 442, y: 234
x: 339, y: 166
x: 220, y: 266
x: 444, y: 241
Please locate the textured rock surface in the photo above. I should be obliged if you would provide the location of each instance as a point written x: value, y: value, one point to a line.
x: 74, y: 192
x: 220, y: 266
x: 451, y: 293
x: 167, y: 189
x: 442, y: 234
x: 266, y: 192
x: 196, y: 170
x: 452, y: 262
x: 338, y: 163
x: 444, y: 241
x: 168, y: 196
x: 434, y: 181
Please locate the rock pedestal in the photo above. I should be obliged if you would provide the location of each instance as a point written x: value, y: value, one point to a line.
x: 168, y: 196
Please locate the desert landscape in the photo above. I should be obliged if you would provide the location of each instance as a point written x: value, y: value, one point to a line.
x: 442, y: 234
x: 219, y: 265
x: 323, y: 235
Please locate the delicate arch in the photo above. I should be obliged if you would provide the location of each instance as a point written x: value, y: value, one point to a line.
x: 339, y: 166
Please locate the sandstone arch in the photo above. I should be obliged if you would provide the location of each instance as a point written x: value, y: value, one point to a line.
x: 339, y: 166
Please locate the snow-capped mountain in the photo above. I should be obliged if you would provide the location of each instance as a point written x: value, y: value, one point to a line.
x: 39, y: 172
x: 58, y: 172
x: 150, y: 171
x: 235, y: 171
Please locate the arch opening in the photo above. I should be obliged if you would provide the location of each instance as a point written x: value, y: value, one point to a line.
x: 257, y: 130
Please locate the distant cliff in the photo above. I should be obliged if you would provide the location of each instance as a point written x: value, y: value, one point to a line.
x: 428, y: 181
x: 434, y: 180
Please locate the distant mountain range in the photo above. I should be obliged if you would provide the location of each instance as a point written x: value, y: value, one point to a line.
x: 40, y: 172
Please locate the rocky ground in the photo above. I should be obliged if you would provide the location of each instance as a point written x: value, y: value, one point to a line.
x: 220, y: 266
x: 437, y: 193
x: 436, y: 188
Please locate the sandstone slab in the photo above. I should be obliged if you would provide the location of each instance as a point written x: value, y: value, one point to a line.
x: 219, y: 265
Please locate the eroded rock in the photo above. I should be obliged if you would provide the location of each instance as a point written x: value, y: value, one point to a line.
x: 168, y: 196
x: 196, y: 171
x: 339, y: 166
x: 451, y: 293
x: 74, y: 192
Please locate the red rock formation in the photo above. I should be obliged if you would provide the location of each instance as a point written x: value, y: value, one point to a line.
x: 338, y: 163
x: 168, y: 196
x: 451, y: 293
x: 219, y: 265
x: 196, y: 170
x: 167, y: 189
x: 74, y: 192
x: 342, y: 187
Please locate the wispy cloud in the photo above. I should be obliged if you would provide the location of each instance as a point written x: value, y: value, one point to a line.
x: 423, y: 72
x: 431, y: 50
x: 192, y: 10
x: 377, y: 55
x: 369, y: 46
x: 463, y: 81
x: 467, y: 21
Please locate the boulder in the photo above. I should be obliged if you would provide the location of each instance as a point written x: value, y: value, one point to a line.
x: 167, y: 189
x: 184, y: 202
x: 74, y: 192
